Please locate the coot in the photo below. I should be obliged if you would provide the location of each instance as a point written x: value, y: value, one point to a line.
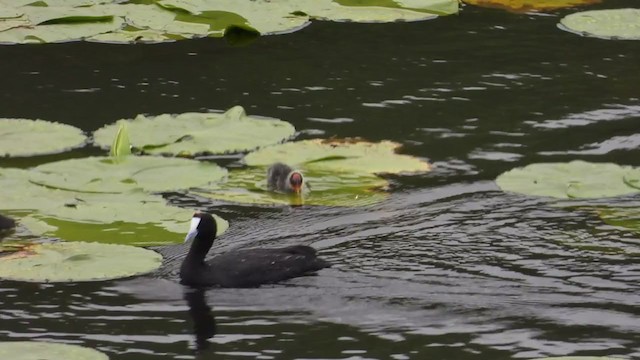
x: 242, y: 268
x: 282, y: 178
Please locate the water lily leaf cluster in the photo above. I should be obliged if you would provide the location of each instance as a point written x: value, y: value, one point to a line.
x: 575, y: 179
x: 25, y: 137
x: 77, y: 261
x: 47, y: 21
x: 339, y: 172
x: 620, y: 24
x: 39, y: 350
x: 249, y: 185
x: 522, y: 6
x: 189, y: 134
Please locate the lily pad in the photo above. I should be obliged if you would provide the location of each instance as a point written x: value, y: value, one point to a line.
x: 77, y: 261
x: 346, y: 156
x: 58, y: 32
x: 23, y: 137
x: 576, y: 179
x: 102, y: 174
x: 329, y: 189
x: 618, y: 24
x: 189, y: 134
x: 134, y: 218
x: 522, y: 6
x: 38, y: 350
x: 140, y: 220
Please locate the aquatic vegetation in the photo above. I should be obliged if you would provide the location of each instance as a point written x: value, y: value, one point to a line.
x: 77, y: 261
x: 575, y: 179
x: 40, y: 350
x: 249, y: 185
x: 136, y: 21
x: 104, y: 175
x: 24, y: 137
x: 530, y: 5
x: 189, y: 134
x: 340, y: 155
x: 614, y: 24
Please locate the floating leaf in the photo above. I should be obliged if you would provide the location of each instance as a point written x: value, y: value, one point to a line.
x: 347, y: 156
x: 134, y: 219
x: 23, y: 137
x: 77, y: 261
x: 193, y: 133
x: 619, y: 24
x: 576, y: 179
x: 330, y: 189
x: 522, y: 6
x: 101, y: 174
x: 38, y: 350
x: 58, y: 32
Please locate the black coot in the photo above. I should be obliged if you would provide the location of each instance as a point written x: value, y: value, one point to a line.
x: 282, y: 178
x: 242, y: 268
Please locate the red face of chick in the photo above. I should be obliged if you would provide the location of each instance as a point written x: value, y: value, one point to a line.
x: 296, y: 182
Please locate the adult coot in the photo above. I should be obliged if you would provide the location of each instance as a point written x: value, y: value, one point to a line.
x: 282, y: 178
x: 242, y: 268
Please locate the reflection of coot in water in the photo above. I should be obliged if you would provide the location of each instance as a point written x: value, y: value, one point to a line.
x: 242, y: 268
x: 204, y: 324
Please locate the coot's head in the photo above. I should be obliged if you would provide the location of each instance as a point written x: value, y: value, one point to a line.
x: 203, y: 227
x: 295, y: 181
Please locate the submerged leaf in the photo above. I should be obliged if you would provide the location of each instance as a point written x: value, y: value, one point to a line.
x: 38, y: 350
x: 619, y: 24
x: 348, y: 156
x: 189, y: 134
x: 24, y: 137
x: 101, y: 174
x: 327, y: 188
x: 576, y: 179
x: 50, y: 262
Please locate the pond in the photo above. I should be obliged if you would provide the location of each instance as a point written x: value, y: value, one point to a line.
x: 448, y: 267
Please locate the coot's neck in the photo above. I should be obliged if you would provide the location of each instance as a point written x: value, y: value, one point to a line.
x: 199, y: 249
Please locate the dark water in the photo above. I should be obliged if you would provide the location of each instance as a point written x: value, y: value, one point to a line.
x: 448, y: 268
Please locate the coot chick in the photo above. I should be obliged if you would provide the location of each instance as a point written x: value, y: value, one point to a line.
x: 242, y: 268
x: 6, y: 223
x: 282, y: 178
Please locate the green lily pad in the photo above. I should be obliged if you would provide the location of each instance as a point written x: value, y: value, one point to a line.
x: 102, y: 174
x: 132, y: 219
x: 576, y: 179
x: 25, y: 195
x: 194, y: 133
x: 38, y: 350
x: 346, y: 156
x: 23, y: 137
x: 58, y: 32
x: 329, y: 189
x: 632, y: 178
x: 77, y: 261
x: 619, y: 24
